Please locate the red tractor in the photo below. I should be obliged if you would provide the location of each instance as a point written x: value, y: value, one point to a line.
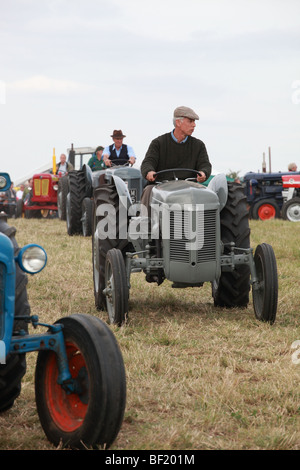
x: 42, y: 199
x: 291, y: 197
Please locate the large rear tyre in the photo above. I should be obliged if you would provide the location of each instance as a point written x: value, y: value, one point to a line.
x: 106, y: 197
x: 265, y: 209
x: 12, y: 372
x: 93, y: 416
x: 265, y: 290
x: 116, y: 287
x: 74, y: 202
x: 63, y: 189
x: 232, y: 288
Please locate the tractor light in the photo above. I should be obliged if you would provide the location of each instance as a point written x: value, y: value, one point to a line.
x: 3, y: 182
x: 32, y: 258
x: 55, y: 187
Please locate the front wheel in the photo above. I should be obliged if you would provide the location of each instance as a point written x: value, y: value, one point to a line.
x: 92, y: 416
x: 87, y: 215
x: 116, y: 287
x: 265, y: 289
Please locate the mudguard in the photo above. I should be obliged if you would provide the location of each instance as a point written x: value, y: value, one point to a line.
x: 219, y: 186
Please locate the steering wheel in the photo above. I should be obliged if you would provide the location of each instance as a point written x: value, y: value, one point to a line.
x: 174, y: 170
x: 124, y: 162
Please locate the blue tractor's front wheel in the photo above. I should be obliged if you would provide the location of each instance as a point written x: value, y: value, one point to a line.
x: 92, y: 415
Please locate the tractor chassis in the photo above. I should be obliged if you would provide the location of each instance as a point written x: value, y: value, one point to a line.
x: 52, y: 340
x: 227, y: 262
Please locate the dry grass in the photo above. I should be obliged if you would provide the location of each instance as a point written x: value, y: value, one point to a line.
x: 197, y: 377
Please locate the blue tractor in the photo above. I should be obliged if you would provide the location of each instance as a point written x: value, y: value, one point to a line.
x: 264, y: 194
x: 80, y: 383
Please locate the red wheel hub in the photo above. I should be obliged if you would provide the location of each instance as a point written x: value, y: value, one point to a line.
x: 67, y: 410
x: 266, y: 211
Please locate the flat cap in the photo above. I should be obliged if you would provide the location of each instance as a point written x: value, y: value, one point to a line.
x: 183, y: 111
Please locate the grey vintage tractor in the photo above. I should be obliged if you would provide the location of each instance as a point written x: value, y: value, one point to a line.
x: 80, y: 383
x: 193, y: 234
x: 81, y: 187
x: 77, y: 157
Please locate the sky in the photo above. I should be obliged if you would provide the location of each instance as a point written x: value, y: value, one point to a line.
x: 73, y: 71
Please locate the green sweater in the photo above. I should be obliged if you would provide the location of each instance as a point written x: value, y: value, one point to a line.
x: 164, y: 153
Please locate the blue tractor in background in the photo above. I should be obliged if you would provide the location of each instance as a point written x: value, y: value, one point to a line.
x: 80, y: 383
x: 264, y: 193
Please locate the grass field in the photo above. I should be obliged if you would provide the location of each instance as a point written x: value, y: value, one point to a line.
x: 198, y: 377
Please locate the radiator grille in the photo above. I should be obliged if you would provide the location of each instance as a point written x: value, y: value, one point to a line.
x: 41, y: 187
x: 204, y: 224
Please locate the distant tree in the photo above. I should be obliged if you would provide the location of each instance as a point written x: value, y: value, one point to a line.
x: 233, y: 174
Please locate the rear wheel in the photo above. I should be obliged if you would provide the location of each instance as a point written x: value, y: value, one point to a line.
x: 93, y: 415
x: 63, y: 188
x: 265, y: 209
x: 291, y: 210
x: 265, y: 290
x: 106, y: 215
x: 232, y: 288
x: 74, y: 202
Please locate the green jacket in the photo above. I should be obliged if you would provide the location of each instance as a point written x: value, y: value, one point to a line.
x: 96, y: 164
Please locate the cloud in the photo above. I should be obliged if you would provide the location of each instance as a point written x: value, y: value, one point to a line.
x: 43, y: 84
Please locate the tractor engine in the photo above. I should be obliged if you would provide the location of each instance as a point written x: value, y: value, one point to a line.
x: 187, y: 215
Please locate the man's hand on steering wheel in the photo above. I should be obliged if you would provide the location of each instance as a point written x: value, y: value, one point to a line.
x: 201, y: 177
x: 151, y: 175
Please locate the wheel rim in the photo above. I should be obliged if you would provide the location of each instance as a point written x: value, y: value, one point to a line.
x: 96, y: 262
x: 258, y: 293
x: 266, y: 211
x: 84, y: 222
x: 67, y: 410
x: 68, y: 215
x: 293, y: 212
x: 59, y: 196
x: 110, y: 292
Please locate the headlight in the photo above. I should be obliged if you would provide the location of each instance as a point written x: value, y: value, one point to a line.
x: 55, y: 187
x: 32, y: 258
x: 3, y: 182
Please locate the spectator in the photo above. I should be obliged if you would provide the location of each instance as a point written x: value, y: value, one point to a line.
x: 292, y: 167
x: 10, y: 201
x: 27, y: 193
x: 96, y: 162
x: 63, y: 167
x: 20, y: 191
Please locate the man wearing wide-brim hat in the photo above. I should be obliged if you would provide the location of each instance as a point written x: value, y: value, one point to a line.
x: 177, y: 149
x: 118, y: 153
